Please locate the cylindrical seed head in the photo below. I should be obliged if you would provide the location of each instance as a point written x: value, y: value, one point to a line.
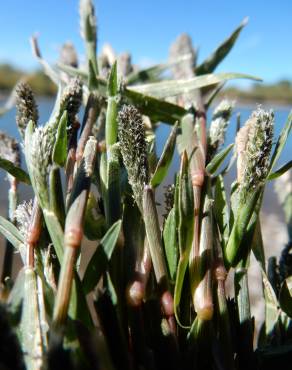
x: 219, y: 124
x: 25, y: 106
x: 253, y: 145
x: 134, y: 150
x: 72, y: 99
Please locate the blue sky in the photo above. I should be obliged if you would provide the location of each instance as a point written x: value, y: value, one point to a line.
x: 146, y: 28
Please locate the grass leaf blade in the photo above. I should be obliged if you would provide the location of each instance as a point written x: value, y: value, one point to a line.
x: 15, y: 171
x: 165, y: 159
x: 165, y: 89
x: 99, y: 260
x: 211, y: 62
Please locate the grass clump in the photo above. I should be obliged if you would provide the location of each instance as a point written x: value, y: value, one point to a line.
x: 153, y: 293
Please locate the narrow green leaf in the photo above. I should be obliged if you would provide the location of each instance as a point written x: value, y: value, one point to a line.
x: 209, y: 64
x: 99, y: 261
x: 246, y: 333
x: 11, y: 233
x: 170, y: 243
x: 257, y: 245
x: 92, y: 80
x: 243, y: 217
x: 113, y: 206
x: 74, y: 72
x: 15, y: 171
x: 153, y: 72
x: 146, y: 75
x: 165, y: 159
x: 60, y: 148
x: 209, y: 96
x: 56, y: 195
x: 281, y: 142
x: 271, y: 303
x: 185, y: 232
x: 56, y: 232
x: 187, y: 140
x: 153, y: 233
x: 219, y: 158
x: 15, y: 298
x: 221, y: 210
x: 112, y: 88
x: 285, y: 296
x: 30, y: 326
x: 165, y: 89
x: 157, y: 110
x: 286, y: 167
x: 111, y: 125
x: 94, y: 221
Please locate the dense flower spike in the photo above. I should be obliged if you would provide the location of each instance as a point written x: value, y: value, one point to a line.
x: 254, y: 144
x: 168, y: 199
x: 38, y: 151
x: 72, y: 99
x: 134, y: 149
x: 25, y: 106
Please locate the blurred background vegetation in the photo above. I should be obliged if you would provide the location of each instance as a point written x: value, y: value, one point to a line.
x: 39, y: 82
x: 279, y: 92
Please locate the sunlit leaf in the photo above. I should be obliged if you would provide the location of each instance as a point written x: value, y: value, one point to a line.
x: 212, y: 61
x: 281, y: 142
x: 99, y: 261
x: 286, y: 167
x: 165, y: 89
x: 165, y: 159
x: 285, y: 297
x: 15, y: 171
x: 219, y: 158
x: 170, y: 243
x: 60, y: 147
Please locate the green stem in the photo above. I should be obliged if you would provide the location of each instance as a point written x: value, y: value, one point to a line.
x: 56, y: 195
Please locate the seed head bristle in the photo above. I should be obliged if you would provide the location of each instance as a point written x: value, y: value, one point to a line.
x: 168, y: 199
x: 39, y: 150
x: 22, y: 215
x: 25, y: 106
x: 134, y: 149
x: 254, y: 144
x: 219, y: 123
x: 89, y: 155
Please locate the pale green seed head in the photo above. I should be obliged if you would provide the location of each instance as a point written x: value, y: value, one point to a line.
x: 22, y: 215
x: 254, y: 144
x: 219, y: 123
